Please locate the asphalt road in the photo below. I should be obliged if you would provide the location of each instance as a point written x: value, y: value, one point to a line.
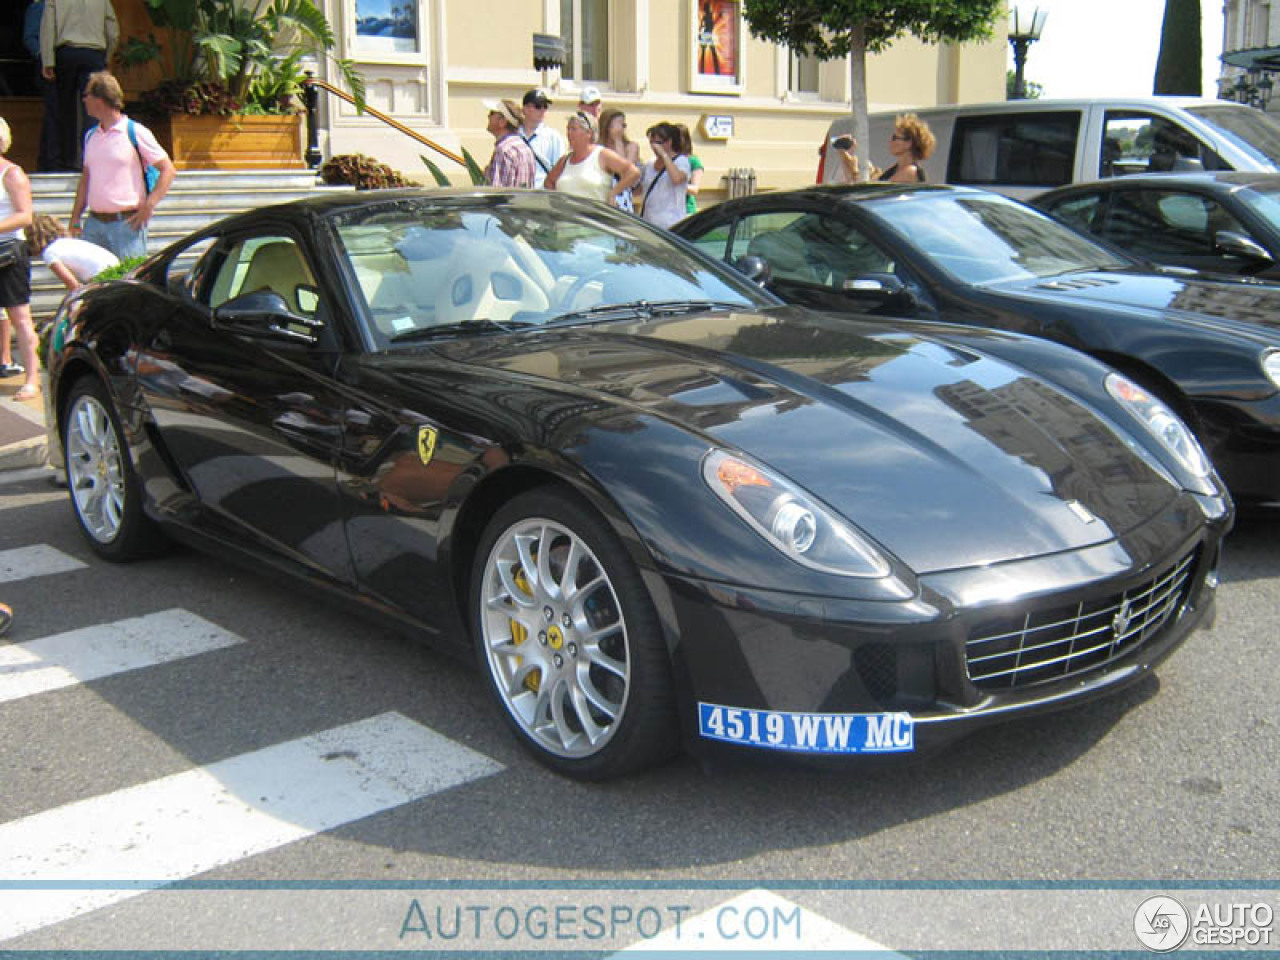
x: 1173, y: 782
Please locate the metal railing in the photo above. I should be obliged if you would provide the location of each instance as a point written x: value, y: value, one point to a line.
x: 311, y: 98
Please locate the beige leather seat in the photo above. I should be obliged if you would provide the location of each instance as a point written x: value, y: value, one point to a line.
x: 278, y: 266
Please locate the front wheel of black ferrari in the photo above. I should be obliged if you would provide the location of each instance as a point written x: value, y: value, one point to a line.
x: 568, y: 639
x: 104, y: 490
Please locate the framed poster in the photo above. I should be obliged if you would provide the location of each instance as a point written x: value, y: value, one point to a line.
x: 715, y: 50
x: 387, y: 29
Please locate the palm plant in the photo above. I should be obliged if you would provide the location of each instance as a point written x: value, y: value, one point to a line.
x: 253, y: 48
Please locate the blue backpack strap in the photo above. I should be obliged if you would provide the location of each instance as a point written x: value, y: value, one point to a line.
x: 147, y: 178
x: 89, y: 133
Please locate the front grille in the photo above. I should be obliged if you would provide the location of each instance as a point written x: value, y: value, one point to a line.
x: 1042, y: 646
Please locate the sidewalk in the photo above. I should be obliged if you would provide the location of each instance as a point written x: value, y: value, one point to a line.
x: 22, y: 435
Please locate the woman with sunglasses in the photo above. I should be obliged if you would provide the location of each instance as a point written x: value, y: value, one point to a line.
x: 589, y: 170
x: 665, y: 177
x: 911, y: 144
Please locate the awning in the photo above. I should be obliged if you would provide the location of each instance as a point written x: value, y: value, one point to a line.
x: 1259, y: 58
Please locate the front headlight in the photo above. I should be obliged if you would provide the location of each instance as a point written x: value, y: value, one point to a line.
x: 790, y: 520
x: 1271, y: 366
x: 1161, y: 422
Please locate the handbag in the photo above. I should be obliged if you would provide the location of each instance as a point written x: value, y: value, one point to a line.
x: 10, y: 251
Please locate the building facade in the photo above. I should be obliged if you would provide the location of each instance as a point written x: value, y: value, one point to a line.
x: 750, y: 104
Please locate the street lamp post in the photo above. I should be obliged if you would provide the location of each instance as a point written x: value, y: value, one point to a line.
x: 1024, y: 30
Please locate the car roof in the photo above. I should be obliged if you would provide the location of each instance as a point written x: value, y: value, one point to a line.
x: 1224, y: 179
x: 833, y: 194
x: 330, y: 203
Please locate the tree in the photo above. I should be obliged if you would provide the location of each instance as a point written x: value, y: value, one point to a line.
x: 1030, y: 89
x: 827, y: 29
x: 1178, y: 66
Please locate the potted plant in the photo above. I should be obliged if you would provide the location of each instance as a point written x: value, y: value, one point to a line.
x: 236, y: 66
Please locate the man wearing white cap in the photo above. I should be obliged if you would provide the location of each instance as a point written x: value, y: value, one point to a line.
x: 512, y: 163
x: 590, y: 103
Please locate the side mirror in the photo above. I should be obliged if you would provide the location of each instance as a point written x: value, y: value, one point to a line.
x: 883, y: 287
x: 1235, y: 244
x: 264, y: 313
x: 755, y: 269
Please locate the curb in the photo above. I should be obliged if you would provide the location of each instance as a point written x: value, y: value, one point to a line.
x: 31, y: 452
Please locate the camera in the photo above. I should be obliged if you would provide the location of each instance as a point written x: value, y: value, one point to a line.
x: 842, y: 143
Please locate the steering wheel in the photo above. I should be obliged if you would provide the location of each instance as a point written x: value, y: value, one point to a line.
x: 570, y: 295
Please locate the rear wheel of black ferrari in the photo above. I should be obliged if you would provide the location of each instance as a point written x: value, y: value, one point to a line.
x: 568, y: 639
x: 104, y: 490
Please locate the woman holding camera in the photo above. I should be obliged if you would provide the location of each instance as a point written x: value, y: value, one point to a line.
x: 911, y: 144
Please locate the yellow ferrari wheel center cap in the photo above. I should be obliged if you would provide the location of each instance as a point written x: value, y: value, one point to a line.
x: 555, y: 639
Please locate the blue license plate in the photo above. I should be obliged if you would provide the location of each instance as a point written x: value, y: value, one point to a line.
x: 808, y: 732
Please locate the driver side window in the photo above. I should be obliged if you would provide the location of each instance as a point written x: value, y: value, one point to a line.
x: 810, y: 248
x: 269, y: 262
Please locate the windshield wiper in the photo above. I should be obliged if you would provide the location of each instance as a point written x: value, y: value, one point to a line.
x: 462, y: 327
x: 642, y: 308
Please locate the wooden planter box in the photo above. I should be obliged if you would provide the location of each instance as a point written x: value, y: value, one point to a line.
x: 232, y: 143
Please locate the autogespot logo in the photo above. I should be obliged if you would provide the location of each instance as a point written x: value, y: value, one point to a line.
x: 1161, y: 923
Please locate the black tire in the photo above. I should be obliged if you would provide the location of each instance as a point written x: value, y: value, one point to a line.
x: 587, y: 687
x: 105, y: 492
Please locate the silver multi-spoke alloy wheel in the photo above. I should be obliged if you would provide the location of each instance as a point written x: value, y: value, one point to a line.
x: 555, y: 638
x: 95, y: 469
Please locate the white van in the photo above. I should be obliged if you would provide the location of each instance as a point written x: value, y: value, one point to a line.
x: 1024, y: 147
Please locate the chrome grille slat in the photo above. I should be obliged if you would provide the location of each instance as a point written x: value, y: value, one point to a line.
x: 1048, y: 645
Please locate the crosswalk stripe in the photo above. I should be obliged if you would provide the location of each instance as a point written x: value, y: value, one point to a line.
x: 33, y: 500
x: 90, y: 653
x: 38, y: 560
x: 191, y: 822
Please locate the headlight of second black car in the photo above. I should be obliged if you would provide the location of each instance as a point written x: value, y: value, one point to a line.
x: 1162, y: 423
x: 792, y: 521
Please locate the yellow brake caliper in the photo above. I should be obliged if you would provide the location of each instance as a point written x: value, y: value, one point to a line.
x: 520, y: 633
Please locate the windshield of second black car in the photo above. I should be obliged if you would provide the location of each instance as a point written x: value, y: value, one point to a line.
x: 986, y: 238
x: 464, y: 266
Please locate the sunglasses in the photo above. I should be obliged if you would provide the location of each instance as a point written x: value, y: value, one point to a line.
x: 900, y: 136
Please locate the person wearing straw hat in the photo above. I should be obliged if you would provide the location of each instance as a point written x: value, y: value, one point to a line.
x: 512, y: 163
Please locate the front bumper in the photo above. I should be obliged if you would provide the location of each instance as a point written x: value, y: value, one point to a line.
x: 800, y: 656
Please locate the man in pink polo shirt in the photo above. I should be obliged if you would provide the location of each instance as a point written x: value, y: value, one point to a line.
x: 112, y: 191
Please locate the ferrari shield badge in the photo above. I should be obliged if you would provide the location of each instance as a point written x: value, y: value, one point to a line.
x: 426, y: 444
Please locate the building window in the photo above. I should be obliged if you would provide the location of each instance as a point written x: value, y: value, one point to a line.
x: 802, y: 74
x: 584, y: 24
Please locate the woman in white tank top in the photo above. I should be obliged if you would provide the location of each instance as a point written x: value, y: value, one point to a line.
x: 588, y: 170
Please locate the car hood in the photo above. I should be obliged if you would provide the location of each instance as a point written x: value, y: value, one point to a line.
x: 946, y: 456
x: 1240, y: 307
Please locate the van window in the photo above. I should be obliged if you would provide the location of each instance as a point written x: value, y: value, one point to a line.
x: 1031, y: 149
x: 1137, y: 142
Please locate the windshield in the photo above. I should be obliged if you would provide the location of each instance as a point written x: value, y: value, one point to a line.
x: 1264, y: 200
x: 491, y: 263
x: 982, y: 238
x: 1253, y: 131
